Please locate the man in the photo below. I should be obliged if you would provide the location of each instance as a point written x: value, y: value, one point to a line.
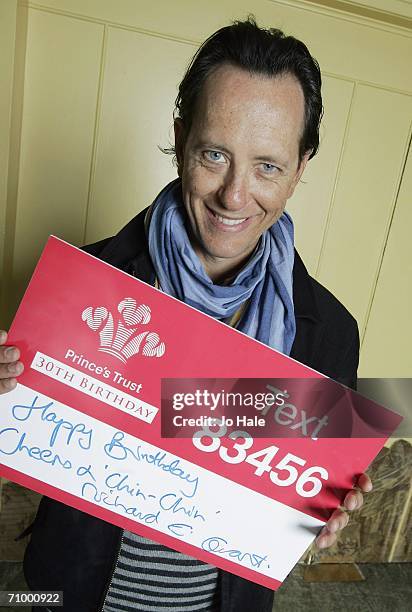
x: 247, y: 122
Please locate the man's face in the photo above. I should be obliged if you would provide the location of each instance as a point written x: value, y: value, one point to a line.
x: 240, y: 162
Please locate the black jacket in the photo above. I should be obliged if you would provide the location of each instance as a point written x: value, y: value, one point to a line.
x: 75, y: 552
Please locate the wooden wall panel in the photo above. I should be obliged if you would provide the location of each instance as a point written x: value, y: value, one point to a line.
x: 60, y: 93
x: 365, y: 197
x: 387, y: 344
x: 312, y: 199
x: 135, y: 119
x: 382, y: 52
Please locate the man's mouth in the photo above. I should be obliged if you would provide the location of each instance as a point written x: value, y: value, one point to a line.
x: 228, y: 222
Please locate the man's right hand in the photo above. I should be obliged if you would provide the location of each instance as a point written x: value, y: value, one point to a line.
x: 10, y: 366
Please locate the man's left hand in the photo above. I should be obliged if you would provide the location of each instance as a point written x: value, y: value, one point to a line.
x: 340, y: 517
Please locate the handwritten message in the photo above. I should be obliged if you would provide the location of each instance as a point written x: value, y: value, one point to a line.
x: 136, y: 480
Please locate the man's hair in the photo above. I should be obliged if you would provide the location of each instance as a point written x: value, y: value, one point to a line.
x: 267, y: 52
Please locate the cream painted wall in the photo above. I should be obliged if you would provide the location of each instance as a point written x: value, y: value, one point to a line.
x: 97, y: 87
x: 8, y: 17
x: 389, y: 316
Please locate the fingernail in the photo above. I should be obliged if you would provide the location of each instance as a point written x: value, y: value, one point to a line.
x: 11, y: 353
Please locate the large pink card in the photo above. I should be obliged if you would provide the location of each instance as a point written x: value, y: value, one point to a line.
x: 83, y: 425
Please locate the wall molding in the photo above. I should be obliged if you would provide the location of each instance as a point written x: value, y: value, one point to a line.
x: 106, y: 22
x: 344, y: 10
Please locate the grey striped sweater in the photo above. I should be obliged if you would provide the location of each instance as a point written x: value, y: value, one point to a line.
x: 149, y: 577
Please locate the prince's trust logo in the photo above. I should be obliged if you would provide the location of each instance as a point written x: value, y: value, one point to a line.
x: 119, y: 334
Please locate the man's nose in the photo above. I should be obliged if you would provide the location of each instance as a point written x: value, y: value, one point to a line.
x: 234, y: 191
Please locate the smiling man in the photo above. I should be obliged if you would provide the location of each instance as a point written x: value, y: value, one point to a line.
x: 240, y: 162
x: 246, y: 123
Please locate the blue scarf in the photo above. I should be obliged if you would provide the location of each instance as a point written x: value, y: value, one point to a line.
x: 265, y: 280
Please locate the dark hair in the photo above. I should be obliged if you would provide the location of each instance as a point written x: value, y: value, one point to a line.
x: 260, y: 51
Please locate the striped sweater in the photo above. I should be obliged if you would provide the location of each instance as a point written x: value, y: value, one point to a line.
x: 149, y: 577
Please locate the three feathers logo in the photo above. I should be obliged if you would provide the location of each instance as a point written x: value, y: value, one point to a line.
x: 119, y: 333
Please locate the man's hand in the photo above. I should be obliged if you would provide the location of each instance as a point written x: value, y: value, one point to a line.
x: 10, y: 366
x: 340, y: 517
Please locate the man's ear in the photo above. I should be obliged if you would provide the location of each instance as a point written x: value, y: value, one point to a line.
x: 180, y: 140
x: 299, y: 172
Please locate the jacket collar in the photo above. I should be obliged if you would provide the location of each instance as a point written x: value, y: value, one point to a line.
x: 129, y: 251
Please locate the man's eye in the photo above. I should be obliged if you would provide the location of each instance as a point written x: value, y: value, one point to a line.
x: 269, y: 168
x: 214, y: 156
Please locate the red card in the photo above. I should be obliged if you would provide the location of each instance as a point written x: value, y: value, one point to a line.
x: 84, y: 424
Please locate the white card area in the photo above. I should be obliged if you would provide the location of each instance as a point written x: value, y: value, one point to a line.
x: 140, y: 481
